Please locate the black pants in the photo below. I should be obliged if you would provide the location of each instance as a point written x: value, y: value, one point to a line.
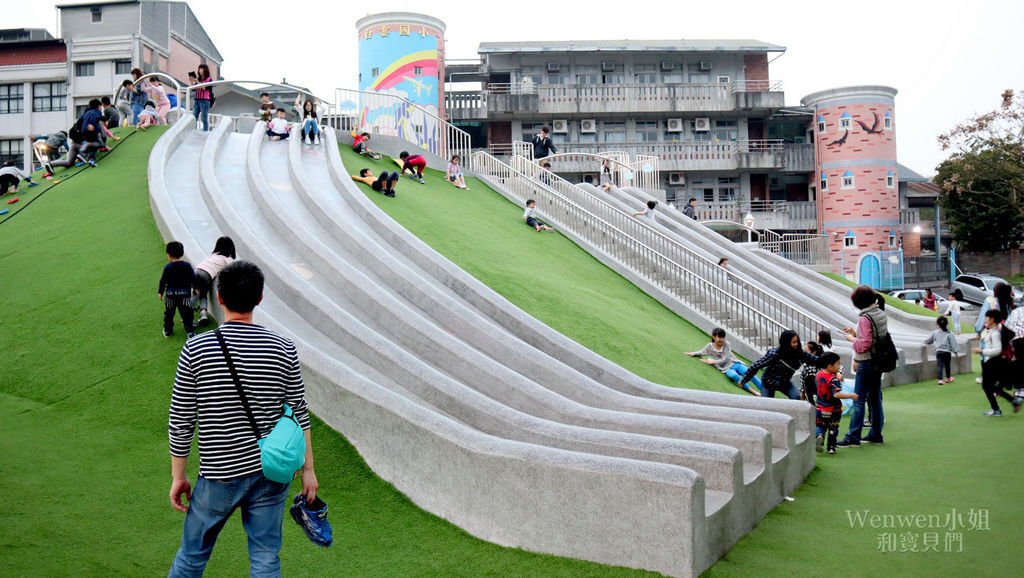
x: 8, y: 182
x: 944, y: 361
x: 183, y: 305
x: 993, y: 373
x: 283, y: 136
x: 385, y: 183
x: 827, y: 423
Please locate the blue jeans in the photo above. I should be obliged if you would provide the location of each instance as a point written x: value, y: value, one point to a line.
x: 788, y: 389
x: 868, y: 388
x: 262, y: 503
x: 738, y: 370
x: 201, y: 109
x: 310, y: 128
x: 136, y: 109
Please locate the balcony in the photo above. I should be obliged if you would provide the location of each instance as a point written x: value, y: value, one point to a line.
x: 764, y: 154
x: 799, y: 158
x: 774, y: 215
x: 594, y: 99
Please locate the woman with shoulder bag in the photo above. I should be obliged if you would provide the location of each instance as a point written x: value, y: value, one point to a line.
x: 871, y: 330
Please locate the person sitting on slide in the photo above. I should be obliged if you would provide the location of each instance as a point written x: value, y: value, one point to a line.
x: 415, y: 164
x: 385, y: 183
x: 359, y: 141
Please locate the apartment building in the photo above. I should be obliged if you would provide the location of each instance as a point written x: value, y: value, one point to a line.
x: 46, y: 82
x: 707, y: 108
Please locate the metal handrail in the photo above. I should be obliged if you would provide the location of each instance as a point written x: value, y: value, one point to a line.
x: 443, y: 138
x: 191, y: 87
x: 177, y: 87
x: 624, y: 168
x: 722, y: 295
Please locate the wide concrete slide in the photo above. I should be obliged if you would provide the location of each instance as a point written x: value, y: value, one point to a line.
x: 476, y: 411
x: 805, y: 289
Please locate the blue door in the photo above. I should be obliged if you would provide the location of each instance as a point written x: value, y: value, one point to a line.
x: 870, y: 271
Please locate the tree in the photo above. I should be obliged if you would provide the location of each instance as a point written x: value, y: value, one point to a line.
x: 983, y: 179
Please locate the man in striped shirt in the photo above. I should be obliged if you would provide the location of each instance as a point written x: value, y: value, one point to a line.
x: 230, y: 472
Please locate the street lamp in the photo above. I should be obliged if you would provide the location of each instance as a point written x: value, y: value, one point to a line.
x: 749, y: 222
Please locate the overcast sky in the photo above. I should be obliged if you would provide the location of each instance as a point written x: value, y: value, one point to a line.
x: 948, y: 59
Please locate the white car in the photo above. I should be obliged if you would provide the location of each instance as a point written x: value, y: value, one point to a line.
x: 912, y: 295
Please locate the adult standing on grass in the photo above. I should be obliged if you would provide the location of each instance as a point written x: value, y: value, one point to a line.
x: 1015, y: 323
x: 872, y: 327
x: 230, y: 472
x: 138, y: 96
x: 1001, y: 300
x: 542, y: 145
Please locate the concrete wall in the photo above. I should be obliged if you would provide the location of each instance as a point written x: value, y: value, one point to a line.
x: 1002, y: 264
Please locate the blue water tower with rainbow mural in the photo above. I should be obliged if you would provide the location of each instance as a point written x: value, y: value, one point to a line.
x: 401, y: 54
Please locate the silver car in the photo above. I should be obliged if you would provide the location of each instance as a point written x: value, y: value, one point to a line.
x: 977, y: 286
x: 913, y: 295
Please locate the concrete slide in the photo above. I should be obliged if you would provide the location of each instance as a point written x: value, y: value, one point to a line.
x: 479, y: 413
x: 824, y: 298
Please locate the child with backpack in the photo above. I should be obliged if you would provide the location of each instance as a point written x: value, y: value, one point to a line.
x: 945, y: 346
x: 996, y: 355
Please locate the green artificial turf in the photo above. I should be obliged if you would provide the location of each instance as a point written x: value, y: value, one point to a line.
x: 86, y: 382
x: 890, y: 301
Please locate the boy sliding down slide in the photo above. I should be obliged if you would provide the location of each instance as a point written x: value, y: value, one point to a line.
x: 385, y: 183
x: 278, y: 128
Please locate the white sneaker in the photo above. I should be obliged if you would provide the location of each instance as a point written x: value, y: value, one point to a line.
x: 316, y: 139
x: 308, y: 141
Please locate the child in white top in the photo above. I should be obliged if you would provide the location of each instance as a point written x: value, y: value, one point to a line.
x: 455, y: 173
x: 278, y: 128
x: 993, y: 366
x: 953, y: 310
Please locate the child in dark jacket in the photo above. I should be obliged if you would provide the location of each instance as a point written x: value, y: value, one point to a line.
x: 177, y: 284
x: 780, y: 363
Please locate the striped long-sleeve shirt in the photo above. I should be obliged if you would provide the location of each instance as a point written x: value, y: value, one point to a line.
x: 205, y: 395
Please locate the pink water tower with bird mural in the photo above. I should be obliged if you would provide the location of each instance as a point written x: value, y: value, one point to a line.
x: 857, y: 179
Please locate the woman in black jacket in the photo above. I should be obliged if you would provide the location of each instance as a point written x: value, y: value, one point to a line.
x: 780, y: 363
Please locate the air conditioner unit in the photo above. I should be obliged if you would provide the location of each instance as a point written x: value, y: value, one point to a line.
x: 676, y: 179
x: 560, y: 126
x: 554, y: 67
x: 705, y: 65
x: 702, y: 124
x: 668, y: 65
x: 608, y: 66
x: 592, y: 178
x: 674, y: 125
x: 588, y: 125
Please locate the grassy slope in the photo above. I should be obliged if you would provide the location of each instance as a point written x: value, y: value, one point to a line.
x: 86, y: 382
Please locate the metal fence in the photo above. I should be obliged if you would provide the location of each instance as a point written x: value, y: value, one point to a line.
x: 812, y: 249
x: 730, y: 300
x: 392, y: 115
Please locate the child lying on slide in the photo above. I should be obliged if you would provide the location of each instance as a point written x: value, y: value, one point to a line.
x: 385, y: 183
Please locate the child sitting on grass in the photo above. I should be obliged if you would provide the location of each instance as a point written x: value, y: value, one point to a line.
x: 278, y: 128
x: 385, y: 183
x: 359, y: 146
x: 413, y: 163
x: 830, y: 406
x: 723, y: 359
x: 455, y: 173
x: 530, y: 216
x: 177, y: 284
x: 945, y: 347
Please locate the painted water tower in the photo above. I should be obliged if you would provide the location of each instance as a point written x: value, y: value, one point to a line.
x: 857, y: 180
x: 400, y: 54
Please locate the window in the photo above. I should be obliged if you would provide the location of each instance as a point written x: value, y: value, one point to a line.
x: 85, y: 69
x: 12, y: 98
x: 530, y: 129
x: 824, y: 182
x: 97, y: 13
x: 821, y: 125
x: 647, y: 131
x: 417, y: 70
x: 726, y: 130
x: 613, y: 131
x: 12, y: 150
x: 80, y: 110
x: 672, y: 77
x: 588, y: 79
x: 844, y: 121
x: 890, y: 180
x: 887, y: 121
x: 700, y: 77
x: 703, y: 189
x: 122, y: 67
x: 723, y: 80
x: 49, y: 96
x: 646, y: 78
x: 727, y: 189
x: 558, y: 79
x: 614, y: 79
x: 850, y: 240
x: 847, y: 181
x: 892, y: 240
